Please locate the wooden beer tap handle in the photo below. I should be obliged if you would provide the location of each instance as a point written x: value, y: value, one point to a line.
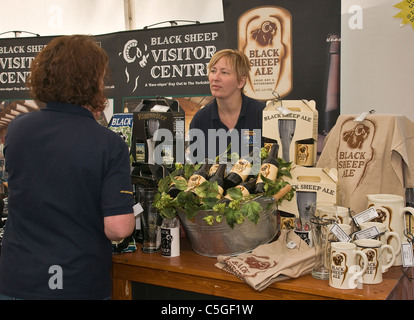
x: 281, y: 193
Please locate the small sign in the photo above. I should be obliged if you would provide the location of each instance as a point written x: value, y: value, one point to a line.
x: 407, y: 254
x: 369, y: 233
x: 365, y: 216
x: 339, y: 233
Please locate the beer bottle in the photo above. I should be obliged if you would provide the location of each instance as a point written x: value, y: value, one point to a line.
x: 247, y: 188
x: 199, y: 176
x: 219, y: 177
x: 173, y: 191
x: 331, y: 108
x: 268, y: 168
x: 213, y: 170
x: 238, y: 173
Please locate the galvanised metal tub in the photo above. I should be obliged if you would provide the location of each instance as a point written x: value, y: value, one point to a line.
x: 221, y: 239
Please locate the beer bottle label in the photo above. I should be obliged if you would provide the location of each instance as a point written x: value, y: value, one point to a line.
x: 269, y: 171
x: 194, y: 182
x: 221, y: 191
x: 265, y: 37
x: 304, y: 154
x: 213, y: 169
x: 243, y: 190
x: 242, y: 167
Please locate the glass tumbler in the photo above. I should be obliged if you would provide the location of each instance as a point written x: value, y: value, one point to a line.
x: 150, y: 221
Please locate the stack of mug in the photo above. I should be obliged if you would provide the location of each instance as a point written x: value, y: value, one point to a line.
x: 349, y: 261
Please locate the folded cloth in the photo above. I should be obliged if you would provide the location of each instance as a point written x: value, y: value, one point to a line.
x: 289, y: 256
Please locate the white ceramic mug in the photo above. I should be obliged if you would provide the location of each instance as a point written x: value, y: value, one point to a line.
x: 391, y: 211
x: 344, y: 270
x: 327, y: 210
x: 374, y: 251
x: 331, y: 237
x: 385, y: 236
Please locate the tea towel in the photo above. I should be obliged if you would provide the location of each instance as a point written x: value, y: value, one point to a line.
x: 289, y: 256
x: 372, y: 156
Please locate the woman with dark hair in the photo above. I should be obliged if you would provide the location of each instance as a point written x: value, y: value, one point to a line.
x: 69, y: 182
x: 70, y: 70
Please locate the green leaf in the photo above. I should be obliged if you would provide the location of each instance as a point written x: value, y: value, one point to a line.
x: 207, y: 189
x: 235, y: 193
x: 189, y: 170
x: 283, y: 168
x: 181, y: 184
x: 169, y: 213
x: 191, y: 210
x: 251, y: 210
x: 163, y: 184
x: 231, y: 217
x: 210, y: 202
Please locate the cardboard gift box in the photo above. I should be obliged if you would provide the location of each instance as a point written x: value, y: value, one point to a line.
x: 311, y: 185
x: 294, y: 125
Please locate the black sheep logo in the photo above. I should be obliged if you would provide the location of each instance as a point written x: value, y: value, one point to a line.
x: 265, y: 34
x: 355, y: 138
x: 382, y: 215
x: 338, y: 259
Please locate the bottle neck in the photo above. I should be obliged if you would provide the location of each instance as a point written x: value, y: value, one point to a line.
x: 220, y: 171
x: 274, y: 150
x: 204, y: 167
x: 334, y: 41
x: 249, y: 184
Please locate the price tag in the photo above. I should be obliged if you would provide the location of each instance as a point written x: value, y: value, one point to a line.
x: 361, y: 117
x: 283, y: 110
x: 291, y: 244
x: 160, y: 108
x: 365, y: 216
x: 368, y: 233
x: 407, y: 255
x: 137, y: 209
x: 339, y: 233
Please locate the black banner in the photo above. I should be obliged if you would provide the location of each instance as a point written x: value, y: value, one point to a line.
x: 144, y: 63
x: 15, y: 57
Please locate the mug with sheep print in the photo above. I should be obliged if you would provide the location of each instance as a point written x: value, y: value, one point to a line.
x: 345, y: 272
x: 374, y: 251
x: 392, y: 212
x: 385, y: 236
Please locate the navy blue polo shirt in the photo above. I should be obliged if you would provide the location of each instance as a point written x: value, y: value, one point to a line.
x: 250, y: 119
x: 66, y: 173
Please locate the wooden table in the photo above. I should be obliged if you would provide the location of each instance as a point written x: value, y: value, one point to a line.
x: 196, y: 273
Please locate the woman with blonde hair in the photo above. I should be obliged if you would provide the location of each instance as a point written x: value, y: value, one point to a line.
x: 231, y: 110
